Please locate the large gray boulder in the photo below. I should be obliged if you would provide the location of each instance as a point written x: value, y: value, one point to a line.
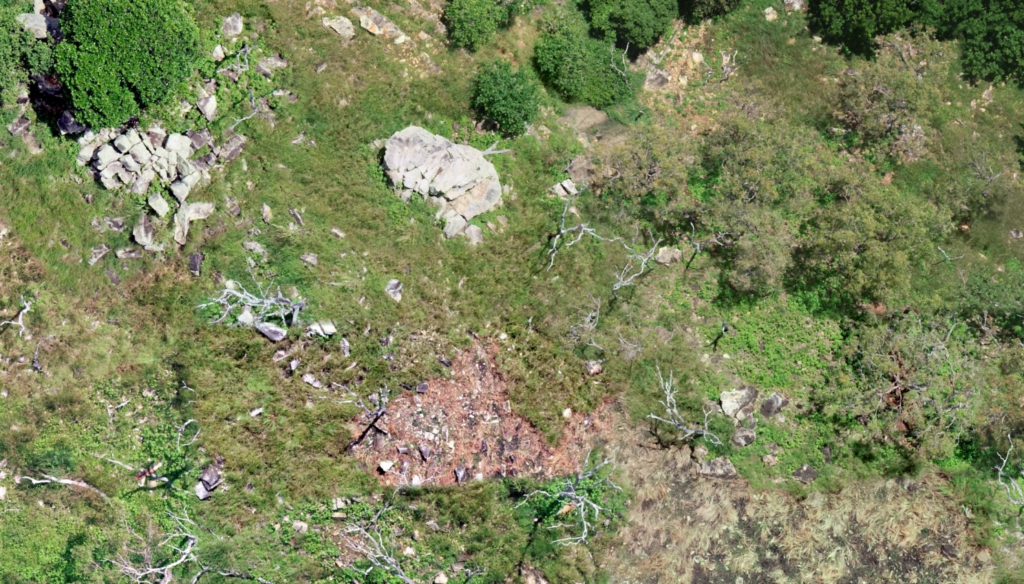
x: 456, y: 177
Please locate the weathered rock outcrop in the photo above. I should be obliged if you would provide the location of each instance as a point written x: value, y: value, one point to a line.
x: 457, y: 178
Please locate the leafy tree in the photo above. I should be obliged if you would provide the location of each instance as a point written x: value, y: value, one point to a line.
x: 505, y: 96
x: 577, y: 66
x: 637, y: 22
x: 120, y: 56
x: 472, y: 23
x: 696, y: 10
x: 919, y: 381
x: 855, y: 23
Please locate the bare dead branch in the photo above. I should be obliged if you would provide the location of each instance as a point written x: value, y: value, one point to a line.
x: 47, y: 479
x: 577, y: 502
x: 368, y: 541
x: 1012, y: 485
x: 675, y: 419
x: 264, y: 304
x: 490, y: 150
x: 19, y: 320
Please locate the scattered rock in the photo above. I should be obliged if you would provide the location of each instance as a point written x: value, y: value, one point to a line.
x: 271, y: 331
x: 114, y: 223
x: 454, y: 224
x: 794, y: 5
x: 739, y: 403
x: 743, y: 437
x: 195, y: 263
x: 773, y: 405
x: 805, y: 474
x: 1016, y: 233
x: 656, y: 78
x: 593, y: 368
x: 208, y: 107
x: 19, y: 126
x: 128, y: 253
x: 218, y: 54
x: 268, y: 215
x: 718, y: 468
x: 232, y: 26
x: 210, y: 478
x: 202, y: 492
x: 323, y: 328
x: 232, y: 148
x: 268, y: 65
x: 394, y: 290
x: 38, y: 24
x: 457, y: 178
x: 143, y: 232
x: 310, y: 258
x: 300, y: 526
x: 385, y: 465
x: 669, y: 255
x: 582, y: 118
x: 254, y: 247
x: 98, y: 253
x: 770, y: 460
x: 474, y: 234
x: 565, y: 189
x: 376, y: 23
x: 68, y: 125
x: 770, y: 15
x: 158, y: 204
x: 441, y: 578
x: 340, y: 25
x: 105, y: 156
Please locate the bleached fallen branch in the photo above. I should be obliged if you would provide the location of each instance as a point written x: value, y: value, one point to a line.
x: 571, y: 235
x: 47, y: 479
x: 368, y: 541
x: 490, y: 150
x: 139, y: 564
x: 254, y: 113
x: 181, y: 432
x: 676, y: 419
x: 631, y: 271
x: 1014, y: 490
x: 19, y: 321
x: 263, y: 305
x: 141, y: 474
x: 577, y: 502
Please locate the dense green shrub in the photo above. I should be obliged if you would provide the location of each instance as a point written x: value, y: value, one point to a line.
x: 120, y: 56
x: 637, y: 22
x: 991, y: 33
x: 472, y: 23
x: 20, y: 54
x: 579, y: 67
x: 508, y: 97
x: 695, y: 10
x: 855, y: 23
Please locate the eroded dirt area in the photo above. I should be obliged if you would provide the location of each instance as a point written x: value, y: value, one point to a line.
x: 464, y: 428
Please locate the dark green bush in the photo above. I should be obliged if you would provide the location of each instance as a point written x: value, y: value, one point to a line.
x: 577, y: 66
x: 120, y: 56
x: 695, y: 10
x: 991, y: 34
x: 855, y: 23
x: 472, y: 23
x: 637, y: 22
x: 20, y: 54
x: 508, y: 97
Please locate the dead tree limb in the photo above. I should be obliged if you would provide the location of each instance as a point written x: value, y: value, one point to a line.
x: 578, y: 504
x: 254, y: 113
x: 47, y: 479
x: 266, y: 303
x: 675, y: 419
x: 139, y: 563
x: 19, y: 320
x: 1012, y: 485
x: 490, y: 150
x: 368, y: 541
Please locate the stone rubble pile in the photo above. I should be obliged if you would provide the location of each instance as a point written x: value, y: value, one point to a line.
x: 134, y: 159
x: 455, y: 177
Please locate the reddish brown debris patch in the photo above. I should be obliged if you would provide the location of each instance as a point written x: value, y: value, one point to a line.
x: 467, y: 423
